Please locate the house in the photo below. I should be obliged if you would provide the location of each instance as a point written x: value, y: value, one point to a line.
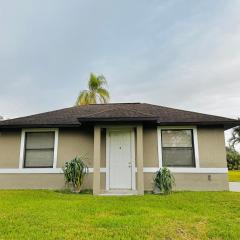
x: 125, y: 144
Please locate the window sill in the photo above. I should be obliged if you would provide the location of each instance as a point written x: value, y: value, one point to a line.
x: 31, y: 170
x: 188, y: 170
x: 103, y: 170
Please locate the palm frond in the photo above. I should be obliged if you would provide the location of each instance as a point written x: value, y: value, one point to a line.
x: 102, y: 81
x: 103, y: 95
x: 92, y: 97
x: 92, y: 82
x: 96, y: 82
x: 96, y: 92
x: 82, y: 98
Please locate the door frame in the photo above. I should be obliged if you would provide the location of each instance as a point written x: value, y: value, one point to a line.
x: 120, y: 129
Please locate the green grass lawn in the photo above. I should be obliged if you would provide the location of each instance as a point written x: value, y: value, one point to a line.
x: 182, y: 215
x: 234, y: 176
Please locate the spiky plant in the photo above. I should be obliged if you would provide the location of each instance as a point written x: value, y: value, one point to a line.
x: 74, y: 173
x: 164, y: 180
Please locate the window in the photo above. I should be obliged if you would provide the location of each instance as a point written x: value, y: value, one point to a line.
x: 39, y: 149
x: 177, y: 148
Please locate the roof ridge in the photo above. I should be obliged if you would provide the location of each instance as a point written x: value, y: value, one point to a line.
x: 119, y: 107
x: 92, y: 114
x: 151, y: 115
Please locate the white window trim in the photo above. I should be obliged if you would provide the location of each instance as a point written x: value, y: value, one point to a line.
x: 22, y: 146
x: 195, y: 145
x: 188, y: 170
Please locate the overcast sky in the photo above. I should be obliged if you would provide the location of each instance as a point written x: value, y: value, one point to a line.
x: 183, y: 54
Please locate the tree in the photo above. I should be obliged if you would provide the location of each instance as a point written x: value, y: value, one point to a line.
x: 233, y: 158
x: 235, y: 139
x: 96, y: 93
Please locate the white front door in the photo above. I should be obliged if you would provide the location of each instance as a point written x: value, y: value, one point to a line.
x: 120, y: 159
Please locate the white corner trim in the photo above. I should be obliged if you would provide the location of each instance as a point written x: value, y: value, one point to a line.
x: 195, y: 142
x: 55, y: 148
x: 30, y: 170
x: 39, y: 170
x: 22, y: 145
x: 188, y: 170
x: 159, y: 144
x: 21, y: 157
x: 104, y: 170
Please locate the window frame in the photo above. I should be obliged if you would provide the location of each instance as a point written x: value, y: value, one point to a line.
x: 194, y: 146
x: 23, y: 144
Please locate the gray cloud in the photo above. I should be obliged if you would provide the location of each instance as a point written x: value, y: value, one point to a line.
x: 176, y: 53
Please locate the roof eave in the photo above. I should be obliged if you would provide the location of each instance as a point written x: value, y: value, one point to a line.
x: 225, y: 124
x: 17, y: 126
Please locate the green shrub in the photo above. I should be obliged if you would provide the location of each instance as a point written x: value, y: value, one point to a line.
x: 164, y: 180
x: 233, y: 159
x: 74, y: 173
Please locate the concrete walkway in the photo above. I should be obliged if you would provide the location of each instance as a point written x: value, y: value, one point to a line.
x: 234, y: 186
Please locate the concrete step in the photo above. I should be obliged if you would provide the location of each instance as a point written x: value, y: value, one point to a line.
x: 118, y: 192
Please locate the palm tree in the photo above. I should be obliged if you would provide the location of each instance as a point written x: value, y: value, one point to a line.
x: 235, y: 139
x: 96, y: 93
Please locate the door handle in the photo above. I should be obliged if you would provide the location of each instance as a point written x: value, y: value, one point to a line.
x: 130, y: 164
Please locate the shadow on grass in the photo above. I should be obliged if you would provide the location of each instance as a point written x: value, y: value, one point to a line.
x: 68, y: 191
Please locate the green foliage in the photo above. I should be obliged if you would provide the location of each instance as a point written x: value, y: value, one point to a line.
x: 74, y: 173
x: 164, y: 180
x: 235, y: 139
x: 233, y: 159
x: 96, y: 93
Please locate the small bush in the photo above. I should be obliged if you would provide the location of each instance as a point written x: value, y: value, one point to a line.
x: 74, y: 173
x: 164, y: 180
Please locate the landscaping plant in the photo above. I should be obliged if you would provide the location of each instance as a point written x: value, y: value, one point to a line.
x: 74, y: 173
x: 164, y: 180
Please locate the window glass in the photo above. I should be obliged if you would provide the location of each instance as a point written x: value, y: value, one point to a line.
x: 39, y: 149
x: 177, y: 148
x: 177, y: 138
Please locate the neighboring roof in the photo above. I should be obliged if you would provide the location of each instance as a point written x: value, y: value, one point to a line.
x: 115, y: 112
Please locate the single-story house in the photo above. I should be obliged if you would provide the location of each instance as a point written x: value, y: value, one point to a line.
x: 124, y: 143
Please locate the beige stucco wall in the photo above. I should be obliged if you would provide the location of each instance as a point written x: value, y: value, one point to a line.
x: 80, y: 142
x: 38, y: 181
x: 102, y: 181
x: 9, y: 148
x: 73, y: 142
x: 211, y: 147
x: 150, y: 148
x: 31, y: 181
x: 193, y: 182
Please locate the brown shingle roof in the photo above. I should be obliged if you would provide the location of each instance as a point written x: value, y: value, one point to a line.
x: 141, y: 112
